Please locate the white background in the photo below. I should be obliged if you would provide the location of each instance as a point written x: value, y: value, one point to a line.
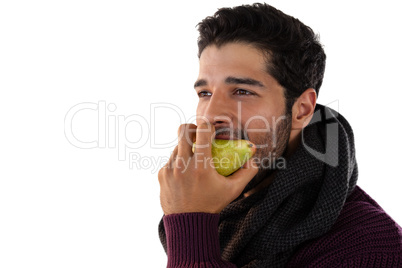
x: 62, y: 206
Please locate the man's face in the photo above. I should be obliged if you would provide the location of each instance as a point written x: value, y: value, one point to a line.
x: 242, y: 100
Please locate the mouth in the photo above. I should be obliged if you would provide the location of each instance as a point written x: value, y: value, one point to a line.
x: 224, y: 137
x: 227, y: 134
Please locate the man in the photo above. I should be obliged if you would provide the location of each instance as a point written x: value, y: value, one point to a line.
x: 259, y: 78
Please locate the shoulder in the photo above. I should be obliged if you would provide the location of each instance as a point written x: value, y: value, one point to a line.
x: 362, y: 230
x: 362, y: 218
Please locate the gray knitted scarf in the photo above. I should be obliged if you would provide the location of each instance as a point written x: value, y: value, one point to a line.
x: 302, y: 203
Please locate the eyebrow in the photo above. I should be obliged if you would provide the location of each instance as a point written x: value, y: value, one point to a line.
x: 244, y: 81
x: 232, y: 80
x: 200, y: 83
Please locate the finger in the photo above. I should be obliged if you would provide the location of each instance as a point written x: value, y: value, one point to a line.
x: 204, y: 137
x: 186, y: 134
x: 172, y: 158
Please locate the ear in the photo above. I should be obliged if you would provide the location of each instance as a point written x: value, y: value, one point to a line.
x: 303, y: 109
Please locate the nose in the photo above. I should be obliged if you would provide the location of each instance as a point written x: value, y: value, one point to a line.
x: 219, y: 110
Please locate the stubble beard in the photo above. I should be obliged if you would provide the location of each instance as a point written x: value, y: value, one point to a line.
x: 270, y: 147
x: 273, y: 147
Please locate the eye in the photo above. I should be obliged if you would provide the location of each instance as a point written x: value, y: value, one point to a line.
x: 241, y: 91
x: 203, y: 93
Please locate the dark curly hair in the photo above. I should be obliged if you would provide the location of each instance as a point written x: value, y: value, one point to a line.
x: 294, y: 55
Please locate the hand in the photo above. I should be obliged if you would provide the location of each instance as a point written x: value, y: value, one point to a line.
x: 190, y: 183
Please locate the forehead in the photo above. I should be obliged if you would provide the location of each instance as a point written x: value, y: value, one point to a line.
x: 234, y: 60
x: 232, y: 56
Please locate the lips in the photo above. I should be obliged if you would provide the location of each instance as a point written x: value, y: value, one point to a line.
x: 224, y: 137
x: 229, y: 134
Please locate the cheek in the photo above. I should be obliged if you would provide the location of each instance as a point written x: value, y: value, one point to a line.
x: 260, y: 119
x: 258, y: 131
x: 257, y: 126
x: 260, y: 127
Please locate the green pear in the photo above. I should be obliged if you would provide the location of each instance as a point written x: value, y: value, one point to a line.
x: 230, y: 155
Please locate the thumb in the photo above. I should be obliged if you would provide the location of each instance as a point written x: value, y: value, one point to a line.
x: 244, y: 175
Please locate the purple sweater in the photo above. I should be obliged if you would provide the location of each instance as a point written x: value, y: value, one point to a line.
x: 363, y: 236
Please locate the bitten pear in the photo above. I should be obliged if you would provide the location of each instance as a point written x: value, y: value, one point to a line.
x: 230, y: 155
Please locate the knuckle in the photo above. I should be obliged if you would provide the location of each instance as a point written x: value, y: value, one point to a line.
x: 177, y: 173
x: 204, y: 125
x: 161, y: 174
x: 180, y: 130
x: 185, y: 134
x: 199, y: 171
x: 184, y: 128
x: 206, y: 128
